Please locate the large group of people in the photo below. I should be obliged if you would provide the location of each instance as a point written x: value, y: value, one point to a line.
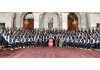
x: 12, y: 38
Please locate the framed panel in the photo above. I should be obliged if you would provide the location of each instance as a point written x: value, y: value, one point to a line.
x: 98, y: 24
x: 2, y: 25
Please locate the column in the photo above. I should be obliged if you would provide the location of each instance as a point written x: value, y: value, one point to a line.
x: 36, y: 19
x: 65, y: 20
x: 18, y: 20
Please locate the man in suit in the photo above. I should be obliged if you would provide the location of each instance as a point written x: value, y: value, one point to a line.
x: 1, y: 37
x: 92, y: 42
x: 40, y: 41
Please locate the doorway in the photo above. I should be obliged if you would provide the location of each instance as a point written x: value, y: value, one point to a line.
x: 28, y: 21
x: 72, y: 22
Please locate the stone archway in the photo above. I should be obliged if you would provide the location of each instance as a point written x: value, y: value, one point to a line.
x: 73, y: 21
x: 27, y: 23
x: 50, y: 20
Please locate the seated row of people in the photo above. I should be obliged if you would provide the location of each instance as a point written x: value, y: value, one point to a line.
x: 12, y: 38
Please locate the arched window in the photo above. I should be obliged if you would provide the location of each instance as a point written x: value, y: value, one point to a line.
x: 29, y: 16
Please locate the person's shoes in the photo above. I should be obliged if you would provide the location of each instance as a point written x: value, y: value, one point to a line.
x: 24, y: 47
x: 11, y: 49
x: 98, y: 49
x: 16, y: 48
x: 28, y: 46
x: 4, y: 49
x: 20, y: 47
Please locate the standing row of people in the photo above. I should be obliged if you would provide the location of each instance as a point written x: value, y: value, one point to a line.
x: 12, y: 38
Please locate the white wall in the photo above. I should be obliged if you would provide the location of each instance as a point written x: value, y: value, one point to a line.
x: 94, y: 19
x: 36, y: 20
x: 83, y: 20
x: 65, y: 20
x: 7, y: 19
x: 18, y: 20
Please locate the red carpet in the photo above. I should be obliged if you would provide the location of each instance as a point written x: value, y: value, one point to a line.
x: 46, y: 52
